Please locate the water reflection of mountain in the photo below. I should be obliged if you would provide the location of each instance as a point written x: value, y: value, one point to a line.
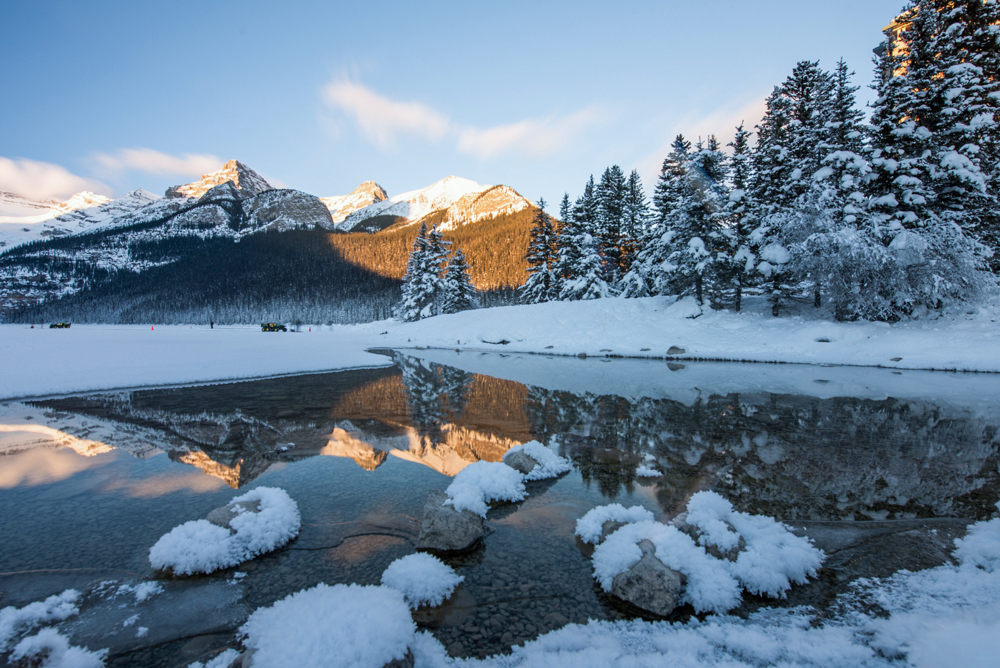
x: 790, y: 448
x: 429, y: 414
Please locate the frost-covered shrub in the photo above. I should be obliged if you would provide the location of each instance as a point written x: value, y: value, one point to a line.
x: 202, y: 547
x: 422, y: 578
x: 550, y: 464
x: 342, y: 625
x: 772, y: 560
x: 589, y: 527
x: 480, y: 483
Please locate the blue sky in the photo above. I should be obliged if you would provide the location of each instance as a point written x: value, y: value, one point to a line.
x: 321, y: 96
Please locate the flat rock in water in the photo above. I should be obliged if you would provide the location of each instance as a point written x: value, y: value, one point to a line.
x: 650, y: 585
x: 182, y: 610
x: 224, y: 515
x: 521, y: 462
x: 444, y: 529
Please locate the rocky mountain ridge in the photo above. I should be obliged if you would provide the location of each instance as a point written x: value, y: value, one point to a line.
x: 246, y: 181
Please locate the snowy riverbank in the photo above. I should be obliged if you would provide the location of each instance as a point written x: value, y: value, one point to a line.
x: 651, y: 327
x: 41, y: 361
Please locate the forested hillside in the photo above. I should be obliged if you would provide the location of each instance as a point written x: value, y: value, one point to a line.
x: 495, y: 248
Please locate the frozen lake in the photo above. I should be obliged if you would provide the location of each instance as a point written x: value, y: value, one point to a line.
x: 857, y: 458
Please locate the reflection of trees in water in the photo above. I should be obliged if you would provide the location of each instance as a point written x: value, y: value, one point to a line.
x: 783, y: 455
x: 435, y: 394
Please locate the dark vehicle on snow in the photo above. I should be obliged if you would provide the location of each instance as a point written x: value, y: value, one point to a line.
x: 272, y: 327
x: 59, y: 325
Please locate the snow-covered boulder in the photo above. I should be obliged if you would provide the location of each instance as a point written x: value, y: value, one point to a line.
x: 595, y: 526
x: 719, y: 552
x: 444, y: 528
x: 649, y: 585
x: 422, y: 578
x: 339, y: 625
x: 259, y: 521
x: 482, y: 483
x: 50, y: 649
x: 536, y: 461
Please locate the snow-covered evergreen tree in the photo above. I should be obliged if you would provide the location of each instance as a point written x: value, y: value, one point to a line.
x: 457, y: 292
x: 636, y: 218
x: 541, y: 256
x: 588, y: 280
x: 610, y: 196
x: 415, y: 297
x: 739, y: 211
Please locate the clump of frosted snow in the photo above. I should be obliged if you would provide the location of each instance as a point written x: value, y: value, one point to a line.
x: 17, y: 621
x: 347, y: 625
x: 549, y: 463
x: 202, y: 547
x: 223, y: 660
x: 589, y: 527
x: 479, y: 483
x: 141, y: 591
x: 774, y: 557
x: 422, y: 578
x: 647, y: 472
x: 50, y: 649
x: 981, y: 545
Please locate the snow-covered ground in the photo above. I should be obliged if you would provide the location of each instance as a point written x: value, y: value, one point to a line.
x: 41, y: 361
x: 650, y: 327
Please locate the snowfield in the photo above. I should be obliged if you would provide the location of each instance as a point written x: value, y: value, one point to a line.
x: 40, y: 361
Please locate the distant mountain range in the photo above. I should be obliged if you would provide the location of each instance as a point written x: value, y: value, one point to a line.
x: 96, y: 259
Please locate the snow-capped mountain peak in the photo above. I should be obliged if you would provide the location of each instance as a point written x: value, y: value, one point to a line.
x: 341, y: 206
x: 416, y: 204
x: 245, y: 180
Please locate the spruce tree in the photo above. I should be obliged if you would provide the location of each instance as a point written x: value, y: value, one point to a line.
x: 635, y: 219
x: 541, y: 284
x: 458, y: 294
x: 588, y: 280
x: 610, y: 196
x: 740, y: 210
x: 436, y: 257
x: 415, y: 296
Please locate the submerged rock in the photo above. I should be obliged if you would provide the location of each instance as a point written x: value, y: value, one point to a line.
x: 650, y: 585
x: 444, y: 529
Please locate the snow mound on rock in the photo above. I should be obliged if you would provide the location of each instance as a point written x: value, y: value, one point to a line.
x: 202, y: 547
x: 981, y: 545
x: 647, y: 472
x: 479, y: 483
x: 422, y: 578
x: 50, y: 649
x: 774, y: 557
x: 343, y: 625
x: 17, y: 621
x: 590, y: 526
x: 550, y: 464
x: 772, y: 560
x: 223, y: 660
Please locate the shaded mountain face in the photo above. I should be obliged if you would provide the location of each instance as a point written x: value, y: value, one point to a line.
x: 246, y: 182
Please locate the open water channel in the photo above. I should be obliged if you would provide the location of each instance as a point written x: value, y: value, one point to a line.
x: 882, y: 468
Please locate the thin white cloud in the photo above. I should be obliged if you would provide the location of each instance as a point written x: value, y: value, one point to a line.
x: 44, y: 180
x: 150, y: 161
x: 383, y: 120
x: 531, y: 137
x: 722, y: 123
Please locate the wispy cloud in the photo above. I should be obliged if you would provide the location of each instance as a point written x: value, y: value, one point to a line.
x: 722, y: 123
x: 150, y: 161
x: 44, y: 180
x: 383, y: 120
x: 535, y: 137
